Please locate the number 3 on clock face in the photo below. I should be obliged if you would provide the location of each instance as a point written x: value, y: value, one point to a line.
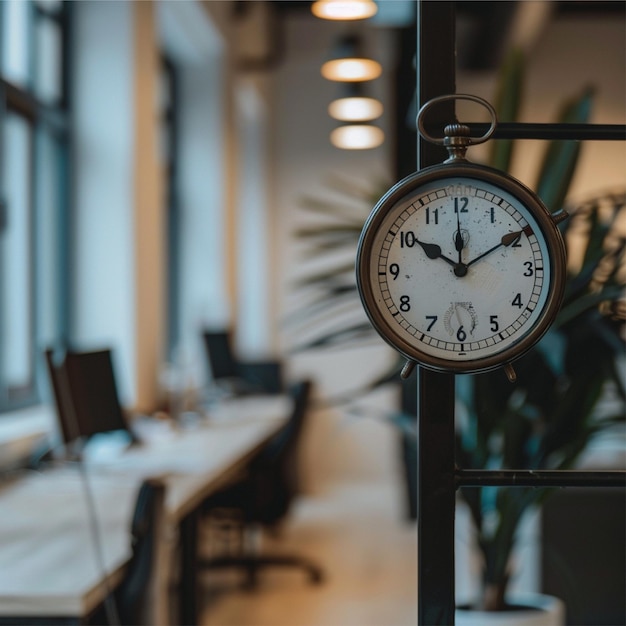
x: 461, y: 268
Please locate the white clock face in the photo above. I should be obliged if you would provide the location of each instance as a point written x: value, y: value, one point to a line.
x: 458, y: 271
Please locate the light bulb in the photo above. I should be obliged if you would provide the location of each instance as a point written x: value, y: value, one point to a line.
x: 357, y: 137
x: 344, y: 9
x: 355, y: 109
x: 351, y: 70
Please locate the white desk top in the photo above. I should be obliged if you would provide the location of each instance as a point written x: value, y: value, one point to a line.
x: 48, y: 562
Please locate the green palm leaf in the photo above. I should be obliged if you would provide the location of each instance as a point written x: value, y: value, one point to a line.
x: 559, y: 163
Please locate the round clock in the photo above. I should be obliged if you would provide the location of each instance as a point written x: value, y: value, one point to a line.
x: 460, y: 267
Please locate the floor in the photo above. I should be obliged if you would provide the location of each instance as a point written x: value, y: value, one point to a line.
x: 358, y: 534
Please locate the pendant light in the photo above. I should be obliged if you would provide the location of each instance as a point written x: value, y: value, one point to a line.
x: 344, y: 9
x: 355, y: 106
x: 348, y: 64
x: 355, y: 109
x: 357, y: 137
x: 351, y: 69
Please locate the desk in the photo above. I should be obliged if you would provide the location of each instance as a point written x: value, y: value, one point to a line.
x: 48, y: 563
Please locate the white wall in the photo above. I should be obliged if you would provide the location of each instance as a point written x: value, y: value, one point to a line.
x: 253, y: 241
x: 203, y: 293
x: 104, y: 279
x: 198, y: 52
x: 120, y: 261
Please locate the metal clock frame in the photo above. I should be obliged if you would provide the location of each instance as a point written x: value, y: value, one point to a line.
x: 546, y: 222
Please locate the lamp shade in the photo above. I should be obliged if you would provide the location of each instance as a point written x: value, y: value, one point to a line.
x: 344, y: 9
x: 348, y: 62
x: 351, y: 69
x: 357, y: 137
x: 355, y: 109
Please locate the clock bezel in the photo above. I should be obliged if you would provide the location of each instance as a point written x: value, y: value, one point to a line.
x: 409, y: 187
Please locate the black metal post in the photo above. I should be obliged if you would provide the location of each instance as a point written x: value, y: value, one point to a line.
x: 435, y: 452
x: 436, y: 498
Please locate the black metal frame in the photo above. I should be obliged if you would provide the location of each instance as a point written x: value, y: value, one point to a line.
x: 438, y: 477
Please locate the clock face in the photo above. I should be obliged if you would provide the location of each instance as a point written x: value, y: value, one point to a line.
x: 461, y: 268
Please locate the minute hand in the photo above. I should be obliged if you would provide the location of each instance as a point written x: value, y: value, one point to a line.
x: 507, y: 240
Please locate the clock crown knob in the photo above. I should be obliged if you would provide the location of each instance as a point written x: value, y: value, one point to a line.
x: 456, y: 140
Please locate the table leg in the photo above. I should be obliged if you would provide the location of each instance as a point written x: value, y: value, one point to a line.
x: 188, y: 585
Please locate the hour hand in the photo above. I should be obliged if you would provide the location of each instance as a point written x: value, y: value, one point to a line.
x: 433, y: 251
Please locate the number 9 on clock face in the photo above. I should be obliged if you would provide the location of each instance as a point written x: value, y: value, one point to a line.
x: 461, y: 268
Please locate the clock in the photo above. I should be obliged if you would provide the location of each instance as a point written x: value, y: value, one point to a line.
x: 461, y: 267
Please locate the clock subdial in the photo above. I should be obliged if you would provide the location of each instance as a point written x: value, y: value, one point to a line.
x: 459, y: 321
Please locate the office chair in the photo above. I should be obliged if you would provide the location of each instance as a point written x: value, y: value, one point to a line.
x: 92, y: 386
x: 135, y: 598
x: 85, y: 395
x: 237, y: 376
x: 264, y: 495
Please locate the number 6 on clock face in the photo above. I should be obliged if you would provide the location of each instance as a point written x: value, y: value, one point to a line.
x: 461, y: 268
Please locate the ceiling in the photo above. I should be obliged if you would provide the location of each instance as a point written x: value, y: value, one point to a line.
x: 483, y: 26
x: 599, y: 7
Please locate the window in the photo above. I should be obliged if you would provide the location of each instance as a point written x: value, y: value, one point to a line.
x: 34, y: 158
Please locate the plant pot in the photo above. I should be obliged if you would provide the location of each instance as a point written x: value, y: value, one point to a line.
x: 531, y: 609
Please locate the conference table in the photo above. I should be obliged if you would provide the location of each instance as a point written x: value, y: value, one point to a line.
x: 58, y: 561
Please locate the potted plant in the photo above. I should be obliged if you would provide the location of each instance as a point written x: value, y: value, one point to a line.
x: 548, y: 417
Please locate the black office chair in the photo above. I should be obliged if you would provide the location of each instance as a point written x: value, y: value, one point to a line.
x: 263, y: 497
x: 134, y: 600
x: 85, y: 395
x: 238, y: 376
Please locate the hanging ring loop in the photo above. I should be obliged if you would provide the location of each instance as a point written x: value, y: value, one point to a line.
x: 471, y: 141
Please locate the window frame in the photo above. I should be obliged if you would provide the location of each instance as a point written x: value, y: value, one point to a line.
x: 49, y: 120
